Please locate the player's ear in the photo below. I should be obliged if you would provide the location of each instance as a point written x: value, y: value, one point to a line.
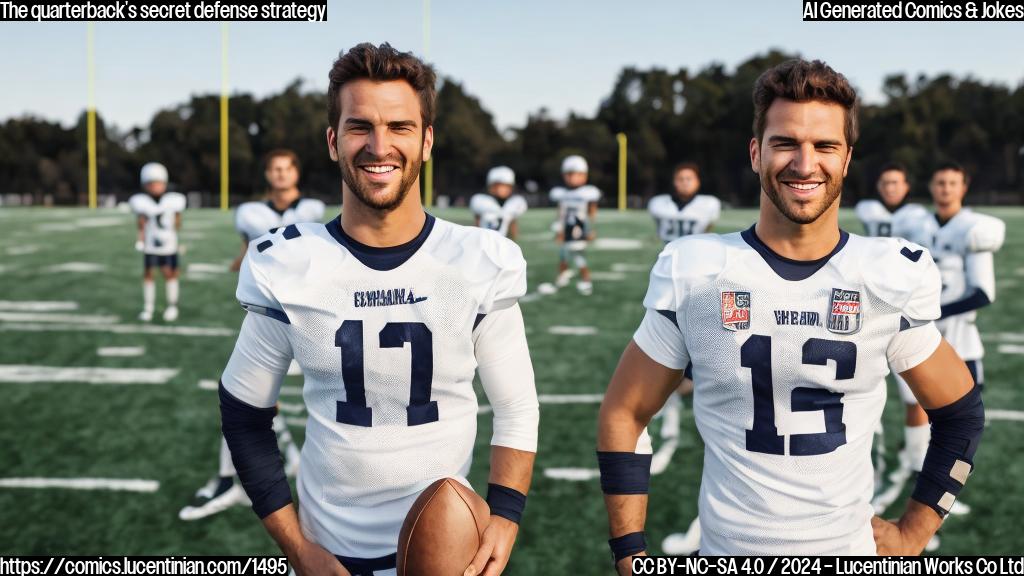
x: 332, y: 143
x: 849, y: 156
x: 755, y: 155
x: 428, y: 142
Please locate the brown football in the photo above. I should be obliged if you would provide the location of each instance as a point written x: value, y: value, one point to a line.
x: 442, y: 531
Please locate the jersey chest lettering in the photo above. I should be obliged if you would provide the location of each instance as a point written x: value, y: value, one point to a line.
x: 385, y: 297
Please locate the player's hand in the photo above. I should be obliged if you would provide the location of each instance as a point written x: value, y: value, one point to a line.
x: 625, y: 566
x: 495, y: 548
x: 560, y: 237
x: 311, y: 559
x: 237, y: 264
x: 891, y: 539
x: 139, y: 245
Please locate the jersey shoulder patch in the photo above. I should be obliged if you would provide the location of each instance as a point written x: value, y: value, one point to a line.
x: 898, y: 271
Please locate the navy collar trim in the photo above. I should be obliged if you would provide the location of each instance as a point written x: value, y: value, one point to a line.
x: 381, y: 258
x: 786, y: 268
x: 270, y: 203
x: 944, y: 222
x: 680, y: 203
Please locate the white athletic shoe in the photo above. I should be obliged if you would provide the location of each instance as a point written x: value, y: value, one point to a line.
x: 217, y: 495
x: 547, y: 289
x: 146, y: 316
x: 585, y: 288
x: 683, y: 544
x: 563, y: 279
x: 171, y: 314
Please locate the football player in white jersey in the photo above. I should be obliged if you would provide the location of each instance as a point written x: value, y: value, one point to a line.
x: 892, y: 215
x: 285, y: 205
x: 499, y: 209
x: 159, y: 219
x: 791, y: 326
x: 577, y: 210
x: 963, y: 245
x: 389, y: 312
x: 685, y: 212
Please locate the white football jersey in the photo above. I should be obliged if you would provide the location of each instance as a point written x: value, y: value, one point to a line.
x: 495, y: 214
x: 388, y: 359
x: 573, y: 205
x: 910, y: 221
x: 160, y: 236
x: 254, y: 219
x: 789, y: 365
x: 676, y: 219
x: 963, y: 248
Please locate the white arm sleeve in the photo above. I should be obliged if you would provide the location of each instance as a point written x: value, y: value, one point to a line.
x: 661, y: 339
x: 259, y: 362
x: 979, y: 269
x: 506, y: 372
x: 912, y: 346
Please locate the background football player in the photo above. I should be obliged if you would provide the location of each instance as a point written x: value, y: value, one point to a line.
x: 963, y: 246
x: 892, y: 215
x: 791, y: 326
x: 389, y: 312
x: 159, y: 219
x: 577, y: 210
x: 285, y: 205
x: 499, y: 209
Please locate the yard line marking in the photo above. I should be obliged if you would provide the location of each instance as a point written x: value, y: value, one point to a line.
x: 291, y: 408
x: 121, y: 351
x: 572, y: 330
x: 207, y: 268
x: 572, y: 474
x: 22, y: 250
x: 618, y: 244
x: 23, y: 374
x: 1004, y: 337
x: 1010, y: 349
x: 59, y: 318
x: 84, y: 267
x: 608, y: 276
x: 119, y: 329
x: 627, y: 267
x: 38, y: 305
x: 1012, y: 415
x: 208, y: 384
x: 117, y: 484
x: 300, y: 422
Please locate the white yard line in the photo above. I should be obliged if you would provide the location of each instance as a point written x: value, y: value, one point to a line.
x: 57, y: 318
x: 207, y: 268
x: 25, y: 374
x: 291, y: 408
x: 84, y: 267
x: 38, y: 305
x: 121, y: 351
x: 117, y: 484
x: 208, y: 384
x: 119, y: 329
x: 627, y: 267
x: 618, y: 244
x: 1011, y: 415
x: 572, y: 330
x: 1010, y: 349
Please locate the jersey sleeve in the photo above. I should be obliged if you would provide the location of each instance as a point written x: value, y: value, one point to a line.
x: 715, y: 208
x: 310, y: 210
x: 922, y: 305
x: 659, y: 334
x: 912, y: 346
x: 141, y: 204
x: 506, y: 373
x: 592, y: 194
x: 864, y: 212
x: 918, y: 337
x: 176, y: 201
x: 986, y: 235
x: 259, y: 361
x: 254, y: 292
x: 515, y: 206
x: 478, y: 204
x: 509, y: 283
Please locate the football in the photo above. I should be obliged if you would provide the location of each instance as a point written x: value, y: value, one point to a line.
x: 442, y: 531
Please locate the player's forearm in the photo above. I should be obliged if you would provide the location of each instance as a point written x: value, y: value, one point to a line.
x: 919, y: 523
x: 512, y: 468
x: 283, y: 527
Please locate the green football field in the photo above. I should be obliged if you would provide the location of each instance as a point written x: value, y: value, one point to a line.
x: 69, y: 286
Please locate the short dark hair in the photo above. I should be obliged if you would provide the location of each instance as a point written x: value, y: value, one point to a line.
x: 686, y: 166
x: 803, y: 81
x: 894, y: 167
x: 955, y: 167
x: 381, y: 63
x: 282, y: 153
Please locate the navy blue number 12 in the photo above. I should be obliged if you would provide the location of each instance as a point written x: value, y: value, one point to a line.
x: 756, y: 354
x: 353, y: 410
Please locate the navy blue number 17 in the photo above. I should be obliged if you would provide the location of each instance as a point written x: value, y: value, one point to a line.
x: 353, y: 410
x: 756, y: 354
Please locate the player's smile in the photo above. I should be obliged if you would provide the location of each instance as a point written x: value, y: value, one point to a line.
x: 381, y: 173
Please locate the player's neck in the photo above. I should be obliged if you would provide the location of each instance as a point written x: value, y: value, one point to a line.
x: 284, y: 198
x: 798, y: 241
x: 945, y: 212
x: 381, y: 229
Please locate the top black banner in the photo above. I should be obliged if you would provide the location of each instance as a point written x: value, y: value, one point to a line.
x: 163, y: 10
x: 909, y: 11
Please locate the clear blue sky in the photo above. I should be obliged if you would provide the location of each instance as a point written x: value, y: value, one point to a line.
x: 516, y: 56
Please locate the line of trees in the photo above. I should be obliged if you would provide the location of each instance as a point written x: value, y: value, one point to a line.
x: 703, y: 116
